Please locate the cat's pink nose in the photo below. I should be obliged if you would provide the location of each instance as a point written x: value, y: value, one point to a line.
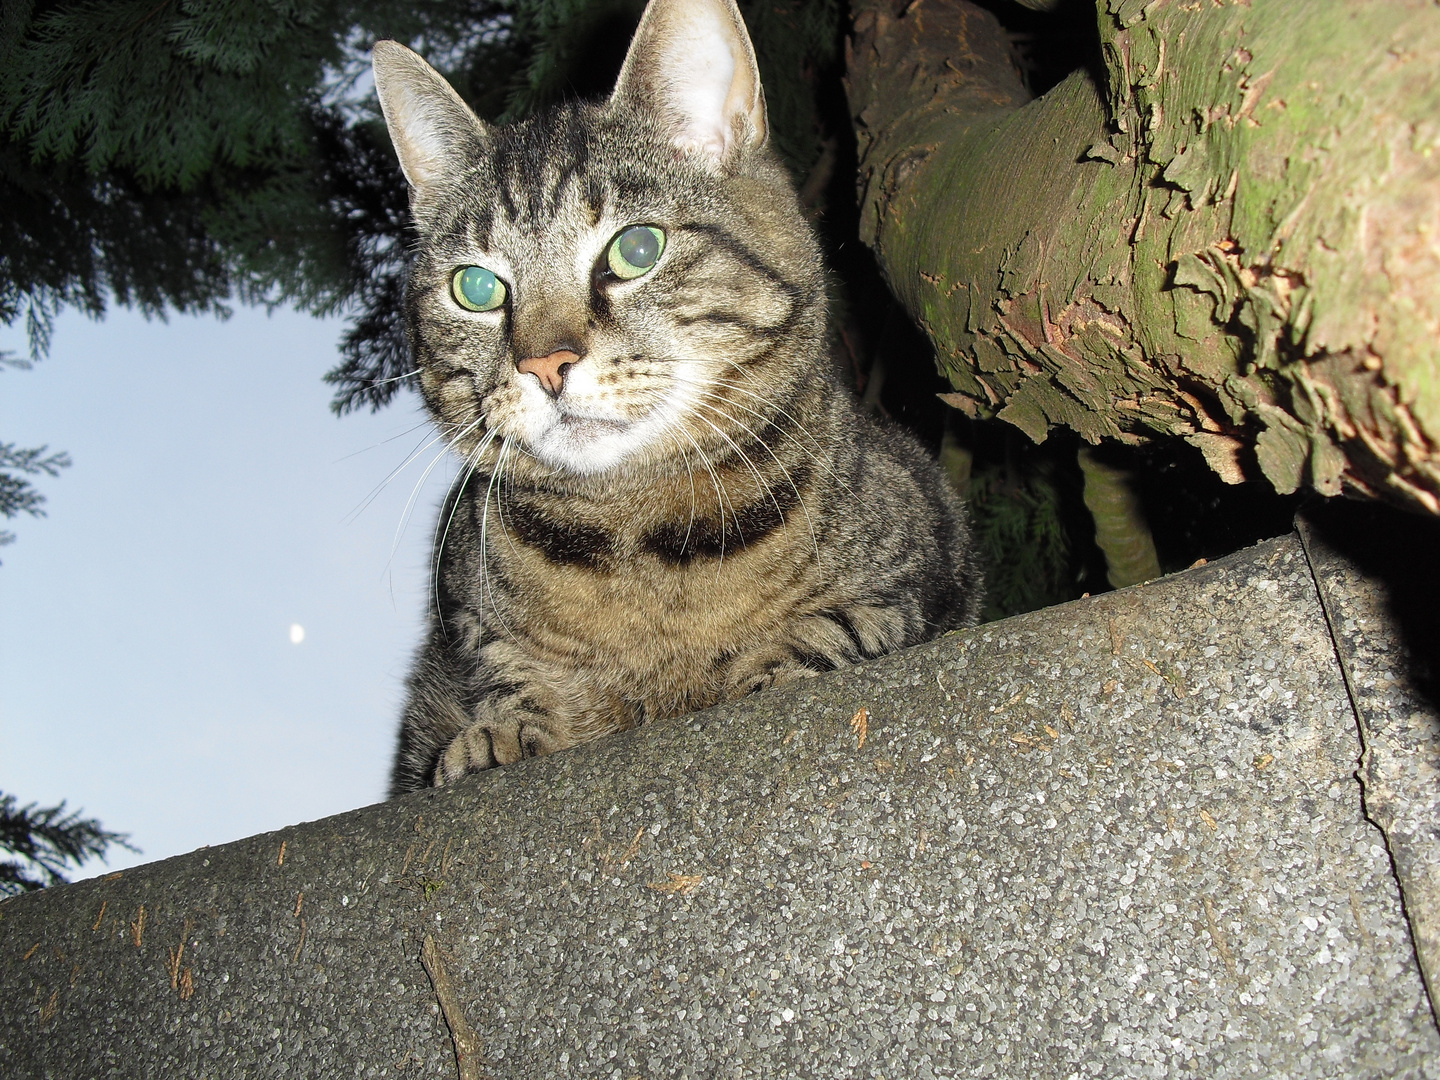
x: 550, y: 370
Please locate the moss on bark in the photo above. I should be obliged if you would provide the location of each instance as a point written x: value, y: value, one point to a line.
x: 1236, y: 241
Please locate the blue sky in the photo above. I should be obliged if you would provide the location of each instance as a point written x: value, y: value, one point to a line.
x: 147, y: 672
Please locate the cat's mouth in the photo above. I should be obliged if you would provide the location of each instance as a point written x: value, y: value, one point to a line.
x: 589, y: 427
x: 585, y: 444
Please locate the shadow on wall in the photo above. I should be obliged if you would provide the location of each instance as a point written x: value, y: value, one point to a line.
x: 1400, y: 550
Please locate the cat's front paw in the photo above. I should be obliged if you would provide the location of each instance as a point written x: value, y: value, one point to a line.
x: 490, y: 742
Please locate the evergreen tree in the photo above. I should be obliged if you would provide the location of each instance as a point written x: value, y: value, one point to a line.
x: 46, y: 843
x: 164, y: 155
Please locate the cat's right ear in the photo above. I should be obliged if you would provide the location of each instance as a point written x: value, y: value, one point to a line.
x: 431, y: 127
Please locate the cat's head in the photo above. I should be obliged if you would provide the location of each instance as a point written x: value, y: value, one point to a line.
x: 619, y: 283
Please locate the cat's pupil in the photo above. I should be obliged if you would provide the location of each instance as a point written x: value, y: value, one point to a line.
x: 640, y: 246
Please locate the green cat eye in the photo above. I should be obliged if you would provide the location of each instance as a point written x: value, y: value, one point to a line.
x: 477, y: 289
x: 635, y: 251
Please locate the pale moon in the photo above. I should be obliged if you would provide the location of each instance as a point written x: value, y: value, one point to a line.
x: 297, y: 633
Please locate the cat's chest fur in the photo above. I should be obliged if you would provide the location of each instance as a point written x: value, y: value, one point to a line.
x: 660, y: 587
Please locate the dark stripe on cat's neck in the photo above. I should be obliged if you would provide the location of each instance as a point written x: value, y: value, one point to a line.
x: 762, y: 517
x: 567, y: 542
x: 680, y: 543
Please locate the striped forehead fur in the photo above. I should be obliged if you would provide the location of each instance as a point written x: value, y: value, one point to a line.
x: 526, y: 170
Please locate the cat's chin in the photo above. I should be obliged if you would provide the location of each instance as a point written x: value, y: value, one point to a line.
x: 587, y: 445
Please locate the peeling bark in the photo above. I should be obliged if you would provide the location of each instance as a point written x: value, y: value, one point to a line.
x: 1236, y: 241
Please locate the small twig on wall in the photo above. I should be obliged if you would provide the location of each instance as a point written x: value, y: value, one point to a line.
x: 467, y: 1045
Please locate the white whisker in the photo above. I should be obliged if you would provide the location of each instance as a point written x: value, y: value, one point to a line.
x: 505, y: 483
x: 450, y: 444
x: 815, y: 449
x: 396, y: 471
x: 484, y: 552
x: 778, y: 463
x: 466, y: 471
x: 393, y: 378
x: 423, y: 423
x: 407, y: 513
x: 764, y: 487
x: 720, y: 495
x: 690, y: 473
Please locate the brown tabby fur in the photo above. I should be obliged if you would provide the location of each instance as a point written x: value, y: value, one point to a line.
x: 701, y: 511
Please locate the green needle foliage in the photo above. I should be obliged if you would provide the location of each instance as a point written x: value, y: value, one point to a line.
x: 176, y: 154
x: 17, y: 495
x: 164, y: 90
x: 46, y: 843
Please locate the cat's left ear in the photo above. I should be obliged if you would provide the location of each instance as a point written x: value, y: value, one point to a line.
x: 692, y: 61
x: 430, y: 125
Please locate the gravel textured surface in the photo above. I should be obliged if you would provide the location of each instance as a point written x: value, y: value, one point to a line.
x: 1384, y: 614
x: 1117, y: 838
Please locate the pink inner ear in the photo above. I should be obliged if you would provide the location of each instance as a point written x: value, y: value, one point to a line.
x: 698, y: 72
x: 692, y: 60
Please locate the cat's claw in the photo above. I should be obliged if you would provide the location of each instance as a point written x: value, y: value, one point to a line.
x: 776, y: 676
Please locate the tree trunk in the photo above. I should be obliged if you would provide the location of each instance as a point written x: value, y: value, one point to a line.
x: 1236, y: 240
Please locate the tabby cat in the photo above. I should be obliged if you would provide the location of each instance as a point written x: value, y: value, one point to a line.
x: 667, y: 499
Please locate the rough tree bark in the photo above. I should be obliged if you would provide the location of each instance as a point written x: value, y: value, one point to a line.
x: 1228, y: 232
